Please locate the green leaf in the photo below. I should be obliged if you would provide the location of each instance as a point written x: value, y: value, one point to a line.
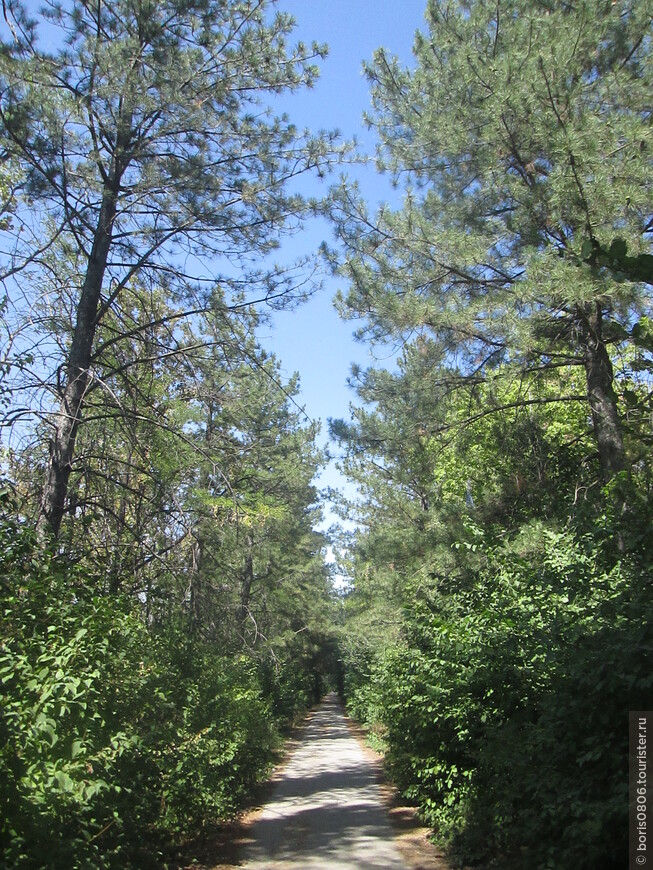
x: 64, y: 781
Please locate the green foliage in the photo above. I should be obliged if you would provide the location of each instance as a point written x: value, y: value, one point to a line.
x: 185, y: 619
x: 148, y: 665
x: 523, y: 238
x: 505, y: 465
x: 112, y: 733
x: 495, y: 634
x: 214, y: 733
x: 505, y: 705
x: 498, y: 627
x: 144, y: 134
x: 372, y: 622
x: 521, y: 161
x: 63, y: 663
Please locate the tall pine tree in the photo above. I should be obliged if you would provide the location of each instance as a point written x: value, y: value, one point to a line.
x: 522, y: 139
x: 148, y: 153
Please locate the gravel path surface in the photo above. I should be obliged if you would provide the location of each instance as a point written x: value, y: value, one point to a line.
x: 326, y: 811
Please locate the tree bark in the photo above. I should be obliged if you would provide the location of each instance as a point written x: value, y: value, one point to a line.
x: 602, y: 398
x: 246, y: 587
x: 62, y: 444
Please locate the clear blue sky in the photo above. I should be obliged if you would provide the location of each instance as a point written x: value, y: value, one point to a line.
x: 312, y: 340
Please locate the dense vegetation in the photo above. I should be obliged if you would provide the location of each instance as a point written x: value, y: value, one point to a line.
x: 499, y: 627
x: 165, y: 604
x: 119, y: 735
x: 497, y: 635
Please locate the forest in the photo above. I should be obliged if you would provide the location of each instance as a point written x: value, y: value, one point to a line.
x: 167, y: 609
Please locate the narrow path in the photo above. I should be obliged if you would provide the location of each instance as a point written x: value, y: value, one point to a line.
x: 326, y: 811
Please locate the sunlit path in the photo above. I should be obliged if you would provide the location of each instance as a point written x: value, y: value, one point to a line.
x: 326, y: 810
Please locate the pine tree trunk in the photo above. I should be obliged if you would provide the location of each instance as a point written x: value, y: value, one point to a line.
x: 62, y: 444
x: 246, y: 587
x: 602, y: 399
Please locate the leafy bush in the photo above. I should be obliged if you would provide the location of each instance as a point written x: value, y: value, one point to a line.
x: 218, y: 738
x: 506, y: 703
x: 108, y: 730
x: 62, y: 662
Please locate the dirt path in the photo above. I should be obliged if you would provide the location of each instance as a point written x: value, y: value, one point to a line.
x: 327, y: 810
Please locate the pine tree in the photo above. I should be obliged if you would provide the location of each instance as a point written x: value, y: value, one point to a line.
x: 522, y: 139
x: 148, y: 153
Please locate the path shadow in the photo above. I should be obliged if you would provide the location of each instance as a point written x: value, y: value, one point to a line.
x: 326, y: 810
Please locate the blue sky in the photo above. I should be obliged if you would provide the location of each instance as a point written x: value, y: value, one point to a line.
x: 312, y: 340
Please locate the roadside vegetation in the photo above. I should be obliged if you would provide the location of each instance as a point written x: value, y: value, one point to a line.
x: 166, y: 610
x: 499, y: 625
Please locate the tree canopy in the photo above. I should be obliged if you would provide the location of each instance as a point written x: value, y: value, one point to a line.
x: 166, y: 607
x: 497, y: 628
x: 147, y: 157
x: 522, y: 139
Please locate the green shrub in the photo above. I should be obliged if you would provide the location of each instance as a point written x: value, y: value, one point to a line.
x: 111, y: 733
x: 62, y: 663
x: 506, y: 703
